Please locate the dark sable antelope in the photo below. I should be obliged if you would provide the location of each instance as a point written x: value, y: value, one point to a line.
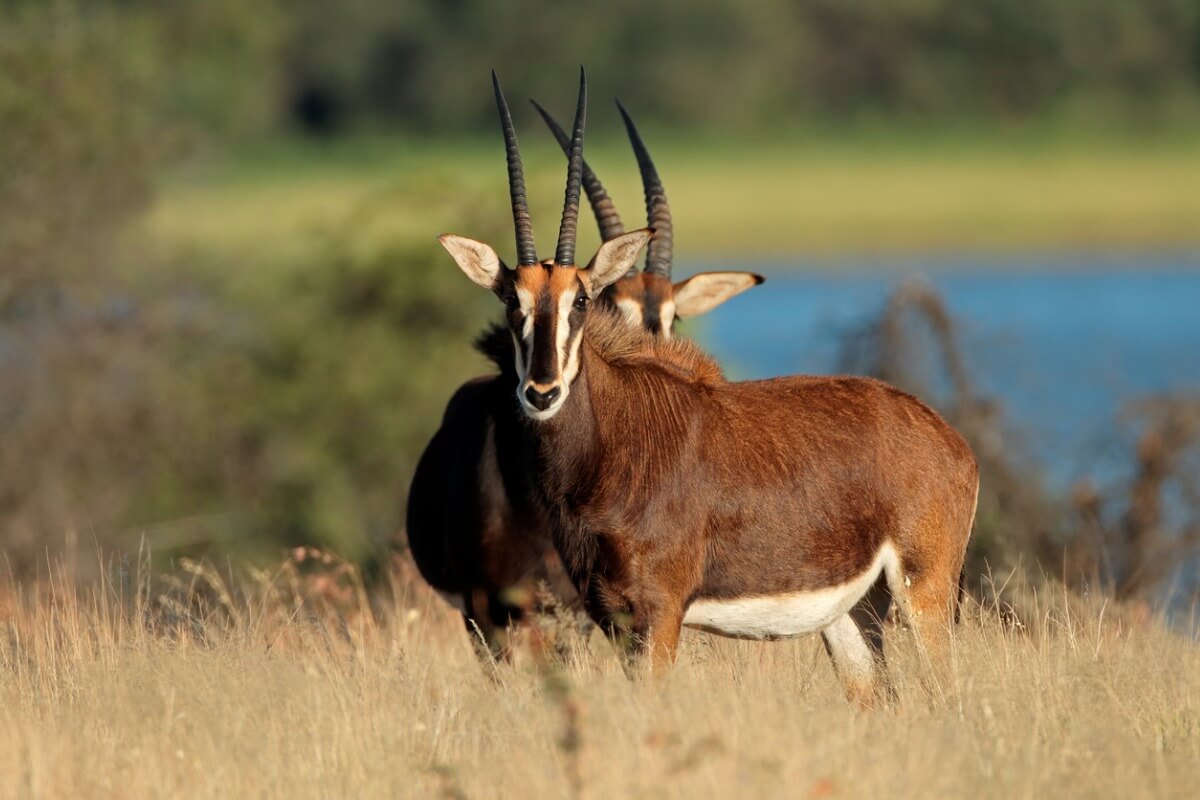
x: 475, y: 526
x: 760, y: 509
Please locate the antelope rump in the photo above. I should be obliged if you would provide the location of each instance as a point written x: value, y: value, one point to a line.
x: 476, y: 526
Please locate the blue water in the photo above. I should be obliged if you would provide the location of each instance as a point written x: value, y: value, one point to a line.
x: 1062, y: 343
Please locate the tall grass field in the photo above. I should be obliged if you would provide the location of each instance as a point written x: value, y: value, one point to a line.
x: 294, y: 683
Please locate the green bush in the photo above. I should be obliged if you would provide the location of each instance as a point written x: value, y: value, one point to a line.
x: 752, y: 65
x: 145, y: 396
x: 352, y: 359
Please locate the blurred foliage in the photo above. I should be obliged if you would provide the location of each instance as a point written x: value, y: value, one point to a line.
x: 75, y: 166
x: 150, y: 395
x: 240, y: 68
x: 201, y: 65
x: 751, y: 64
x: 208, y: 401
x: 351, y: 360
x: 77, y: 155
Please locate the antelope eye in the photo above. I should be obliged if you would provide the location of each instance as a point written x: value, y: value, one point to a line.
x: 581, y: 302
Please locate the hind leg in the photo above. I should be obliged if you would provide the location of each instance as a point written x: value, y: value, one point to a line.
x: 927, y: 601
x: 855, y: 644
x: 870, y: 613
x: 932, y: 604
x: 933, y: 566
x: 854, y: 661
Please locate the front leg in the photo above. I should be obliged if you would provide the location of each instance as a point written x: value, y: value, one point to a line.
x: 642, y: 625
x: 657, y: 623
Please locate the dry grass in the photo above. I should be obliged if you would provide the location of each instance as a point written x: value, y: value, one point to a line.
x: 286, y: 686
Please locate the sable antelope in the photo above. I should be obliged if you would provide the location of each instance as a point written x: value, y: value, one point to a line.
x: 475, y: 526
x: 759, y: 509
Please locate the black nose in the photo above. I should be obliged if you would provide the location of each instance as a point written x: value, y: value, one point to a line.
x: 542, y: 400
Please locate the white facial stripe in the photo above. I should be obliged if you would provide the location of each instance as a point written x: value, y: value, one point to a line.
x: 667, y: 315
x: 572, y: 367
x: 564, y: 329
x: 525, y: 300
x: 631, y: 310
x: 791, y: 614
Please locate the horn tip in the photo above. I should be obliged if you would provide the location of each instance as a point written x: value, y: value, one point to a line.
x: 541, y: 110
x: 758, y: 279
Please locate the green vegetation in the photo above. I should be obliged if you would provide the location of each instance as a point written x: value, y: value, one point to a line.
x: 744, y: 198
x: 234, y: 68
x: 186, y: 396
x: 225, y: 325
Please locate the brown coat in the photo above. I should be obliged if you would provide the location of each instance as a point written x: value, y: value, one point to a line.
x: 670, y: 484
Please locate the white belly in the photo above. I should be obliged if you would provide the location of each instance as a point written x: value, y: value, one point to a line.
x: 792, y: 614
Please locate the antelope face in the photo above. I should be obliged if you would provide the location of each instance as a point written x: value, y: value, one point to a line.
x: 546, y: 306
x: 547, y: 301
x: 645, y: 301
x: 649, y: 300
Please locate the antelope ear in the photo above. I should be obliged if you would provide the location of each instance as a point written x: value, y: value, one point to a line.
x: 613, y: 259
x: 478, y: 260
x: 702, y: 293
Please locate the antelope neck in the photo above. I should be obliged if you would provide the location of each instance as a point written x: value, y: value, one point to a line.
x: 568, y: 440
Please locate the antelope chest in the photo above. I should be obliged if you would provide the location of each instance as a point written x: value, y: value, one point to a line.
x: 784, y: 615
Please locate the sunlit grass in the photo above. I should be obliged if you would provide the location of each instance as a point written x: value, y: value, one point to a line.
x: 736, y: 200
x: 286, y: 686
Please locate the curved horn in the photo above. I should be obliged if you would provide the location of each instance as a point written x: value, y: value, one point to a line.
x: 526, y: 250
x: 603, y: 208
x: 565, y: 252
x: 658, y: 212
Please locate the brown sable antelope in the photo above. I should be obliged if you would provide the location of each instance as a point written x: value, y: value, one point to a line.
x: 759, y: 509
x: 475, y: 526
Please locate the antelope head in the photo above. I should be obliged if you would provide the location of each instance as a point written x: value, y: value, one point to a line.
x: 648, y: 298
x: 546, y: 303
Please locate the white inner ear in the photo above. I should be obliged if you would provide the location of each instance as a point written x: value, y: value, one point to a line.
x: 478, y: 260
x: 613, y: 259
x: 702, y: 293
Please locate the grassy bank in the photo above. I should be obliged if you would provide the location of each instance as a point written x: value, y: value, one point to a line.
x: 800, y: 194
x: 286, y: 687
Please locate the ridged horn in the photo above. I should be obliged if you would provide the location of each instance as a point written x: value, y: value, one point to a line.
x: 526, y: 250
x: 564, y: 253
x: 659, y: 253
x: 603, y: 208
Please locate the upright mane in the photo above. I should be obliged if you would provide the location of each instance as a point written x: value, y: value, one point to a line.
x: 616, y: 342
x: 496, y: 345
